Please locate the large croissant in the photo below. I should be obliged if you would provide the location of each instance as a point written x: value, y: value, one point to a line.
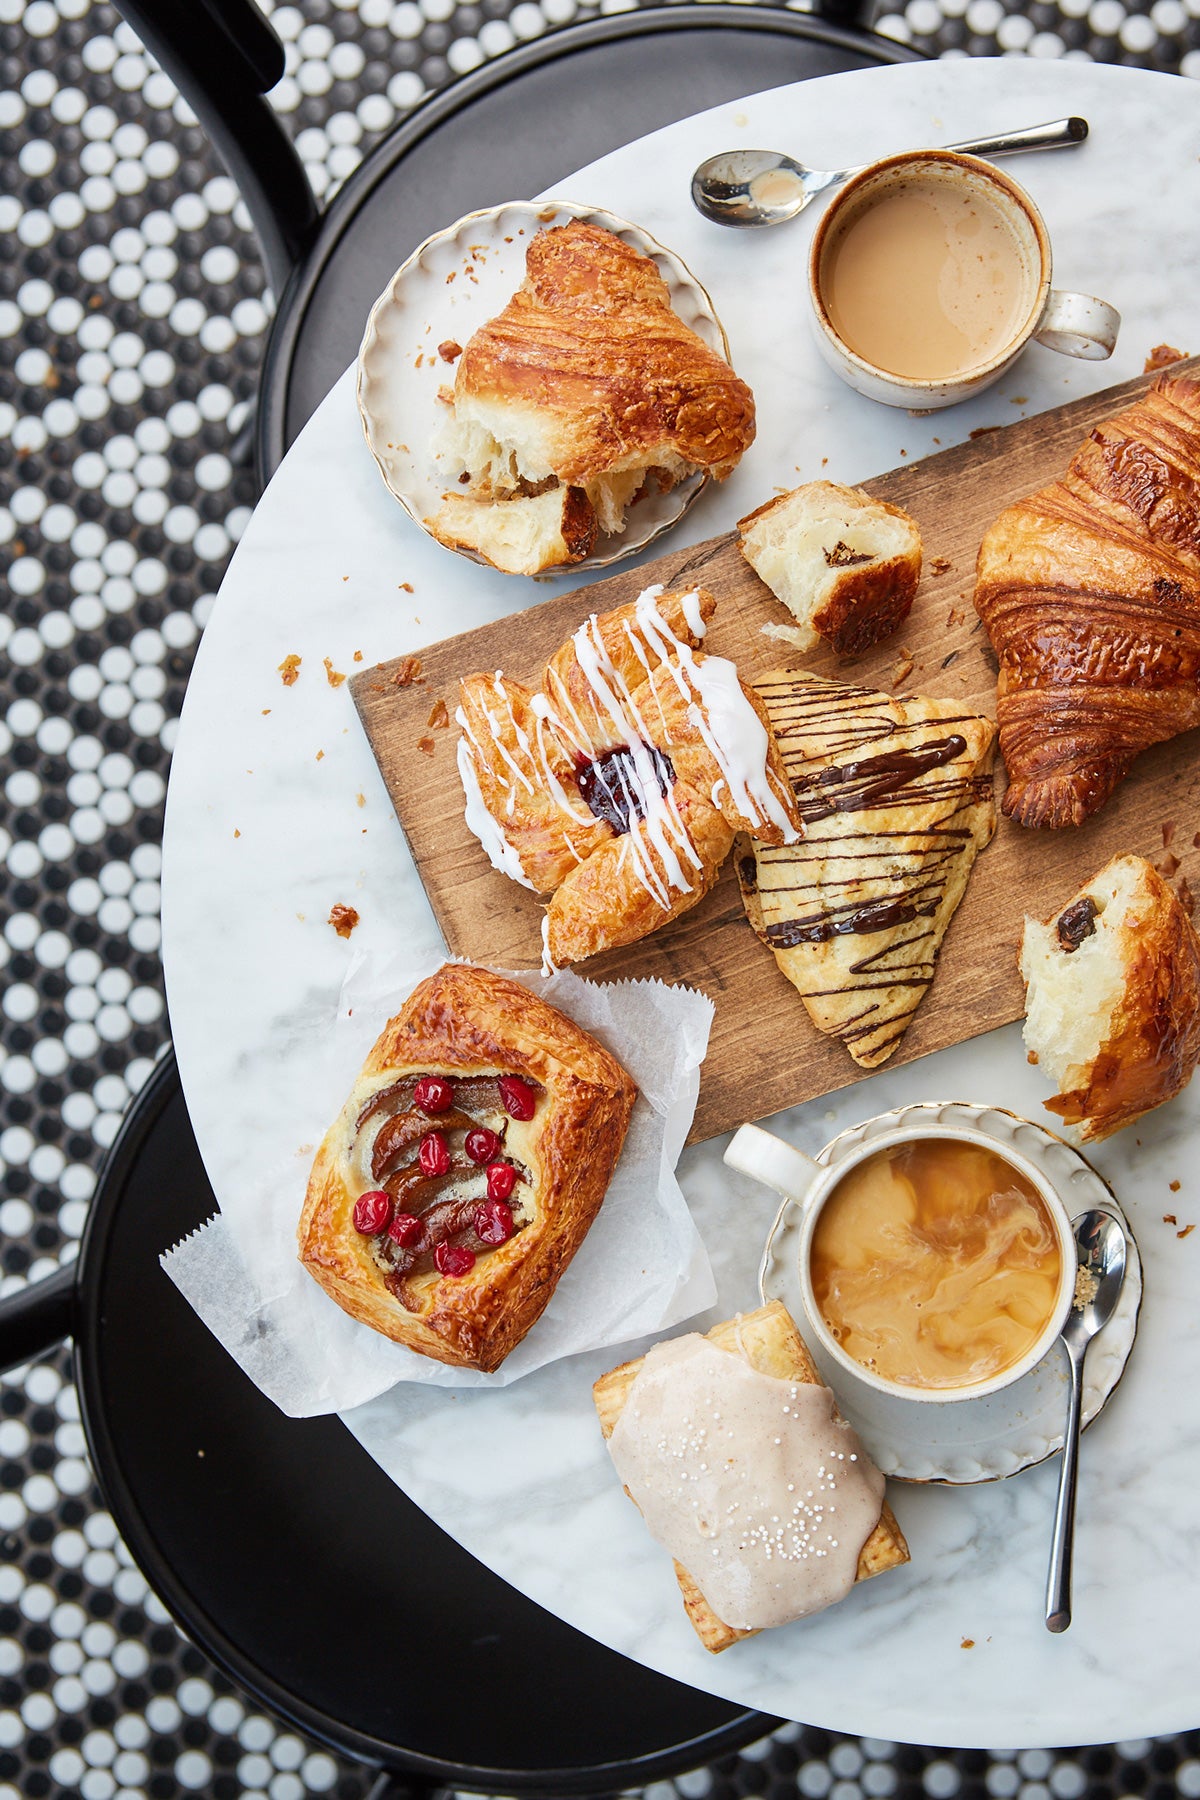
x: 586, y: 383
x: 1090, y: 593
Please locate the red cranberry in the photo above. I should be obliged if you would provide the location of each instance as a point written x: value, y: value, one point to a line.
x: 501, y: 1180
x: 434, y: 1156
x: 454, y: 1259
x: 405, y: 1229
x: 433, y: 1094
x: 494, y: 1222
x: 518, y: 1097
x: 482, y: 1145
x: 372, y: 1212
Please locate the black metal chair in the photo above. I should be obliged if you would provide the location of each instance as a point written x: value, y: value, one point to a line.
x: 506, y: 131
x: 280, y: 1548
x: 295, y: 1564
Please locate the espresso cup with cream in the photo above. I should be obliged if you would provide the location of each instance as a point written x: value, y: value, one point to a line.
x: 930, y: 273
x: 936, y: 1262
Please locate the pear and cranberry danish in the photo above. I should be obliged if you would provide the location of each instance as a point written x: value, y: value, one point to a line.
x: 465, y: 1168
x: 619, y: 784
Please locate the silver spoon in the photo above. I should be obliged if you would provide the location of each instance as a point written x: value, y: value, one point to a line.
x: 751, y: 188
x: 1100, y: 1244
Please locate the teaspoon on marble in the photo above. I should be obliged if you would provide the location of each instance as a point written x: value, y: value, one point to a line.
x: 752, y: 188
x: 1101, y: 1248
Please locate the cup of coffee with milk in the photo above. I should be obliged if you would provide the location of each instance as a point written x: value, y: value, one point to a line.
x: 930, y: 273
x: 934, y: 1259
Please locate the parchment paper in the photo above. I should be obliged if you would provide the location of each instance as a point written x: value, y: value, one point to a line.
x: 641, y: 1268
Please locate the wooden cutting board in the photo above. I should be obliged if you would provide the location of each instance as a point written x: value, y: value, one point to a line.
x: 764, y: 1053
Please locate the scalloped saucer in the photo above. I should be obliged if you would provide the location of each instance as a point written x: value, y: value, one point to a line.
x: 453, y: 283
x: 972, y: 1440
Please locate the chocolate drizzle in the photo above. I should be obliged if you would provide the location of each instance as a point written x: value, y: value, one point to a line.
x: 446, y: 1204
x: 876, y: 779
x: 895, y: 804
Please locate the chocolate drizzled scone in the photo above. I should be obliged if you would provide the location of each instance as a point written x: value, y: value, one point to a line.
x: 896, y: 799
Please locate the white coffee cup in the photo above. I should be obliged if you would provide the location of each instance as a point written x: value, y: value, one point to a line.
x: 808, y: 1185
x: 1014, y: 235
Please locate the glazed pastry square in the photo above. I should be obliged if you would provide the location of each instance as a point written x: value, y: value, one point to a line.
x: 769, y: 1341
x: 620, y: 781
x: 465, y: 1168
x: 896, y: 798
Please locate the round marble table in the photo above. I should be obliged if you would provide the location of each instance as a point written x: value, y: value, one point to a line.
x: 276, y: 811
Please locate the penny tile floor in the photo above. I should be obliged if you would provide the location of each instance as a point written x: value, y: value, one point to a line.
x: 133, y: 310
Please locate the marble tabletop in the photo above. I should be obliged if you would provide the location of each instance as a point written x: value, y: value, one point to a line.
x: 276, y: 811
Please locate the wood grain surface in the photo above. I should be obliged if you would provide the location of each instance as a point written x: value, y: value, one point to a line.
x: 764, y: 1053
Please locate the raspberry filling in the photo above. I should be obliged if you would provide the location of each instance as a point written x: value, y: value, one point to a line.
x: 447, y: 1192
x: 520, y: 1101
x: 613, y: 786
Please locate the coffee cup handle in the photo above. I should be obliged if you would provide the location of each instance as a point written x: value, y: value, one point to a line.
x: 768, y: 1159
x: 1079, y: 325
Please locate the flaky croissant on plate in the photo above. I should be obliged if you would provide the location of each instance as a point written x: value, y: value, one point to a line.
x: 1090, y: 593
x: 619, y: 783
x: 584, y: 388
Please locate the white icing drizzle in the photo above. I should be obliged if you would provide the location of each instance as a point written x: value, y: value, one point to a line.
x: 658, y: 844
x: 754, y: 1484
x: 497, y: 731
x: 691, y: 612
x: 500, y: 852
x: 730, y: 728
x: 540, y: 708
x: 549, y: 967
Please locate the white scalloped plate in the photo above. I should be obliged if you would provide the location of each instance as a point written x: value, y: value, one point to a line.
x: 453, y: 283
x: 972, y: 1440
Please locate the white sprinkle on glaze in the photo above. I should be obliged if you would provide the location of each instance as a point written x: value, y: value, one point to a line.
x: 779, y: 1560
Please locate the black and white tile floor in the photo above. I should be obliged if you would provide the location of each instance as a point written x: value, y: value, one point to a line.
x: 132, y: 316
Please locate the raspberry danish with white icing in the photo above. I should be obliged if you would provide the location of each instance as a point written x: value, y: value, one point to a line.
x: 465, y: 1168
x: 619, y: 783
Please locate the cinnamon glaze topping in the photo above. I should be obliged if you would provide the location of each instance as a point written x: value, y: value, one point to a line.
x: 434, y: 1206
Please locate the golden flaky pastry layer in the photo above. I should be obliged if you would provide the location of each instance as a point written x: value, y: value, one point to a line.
x: 471, y: 1026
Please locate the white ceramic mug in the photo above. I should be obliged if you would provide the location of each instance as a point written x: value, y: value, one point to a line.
x: 1076, y: 324
x: 808, y: 1184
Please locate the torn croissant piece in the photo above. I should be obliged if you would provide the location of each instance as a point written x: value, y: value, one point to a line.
x: 1113, y: 998
x: 465, y: 1168
x: 618, y: 784
x: 896, y: 799
x: 749, y: 1552
x: 846, y: 566
x: 587, y: 382
x: 520, y: 536
x: 1090, y: 593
